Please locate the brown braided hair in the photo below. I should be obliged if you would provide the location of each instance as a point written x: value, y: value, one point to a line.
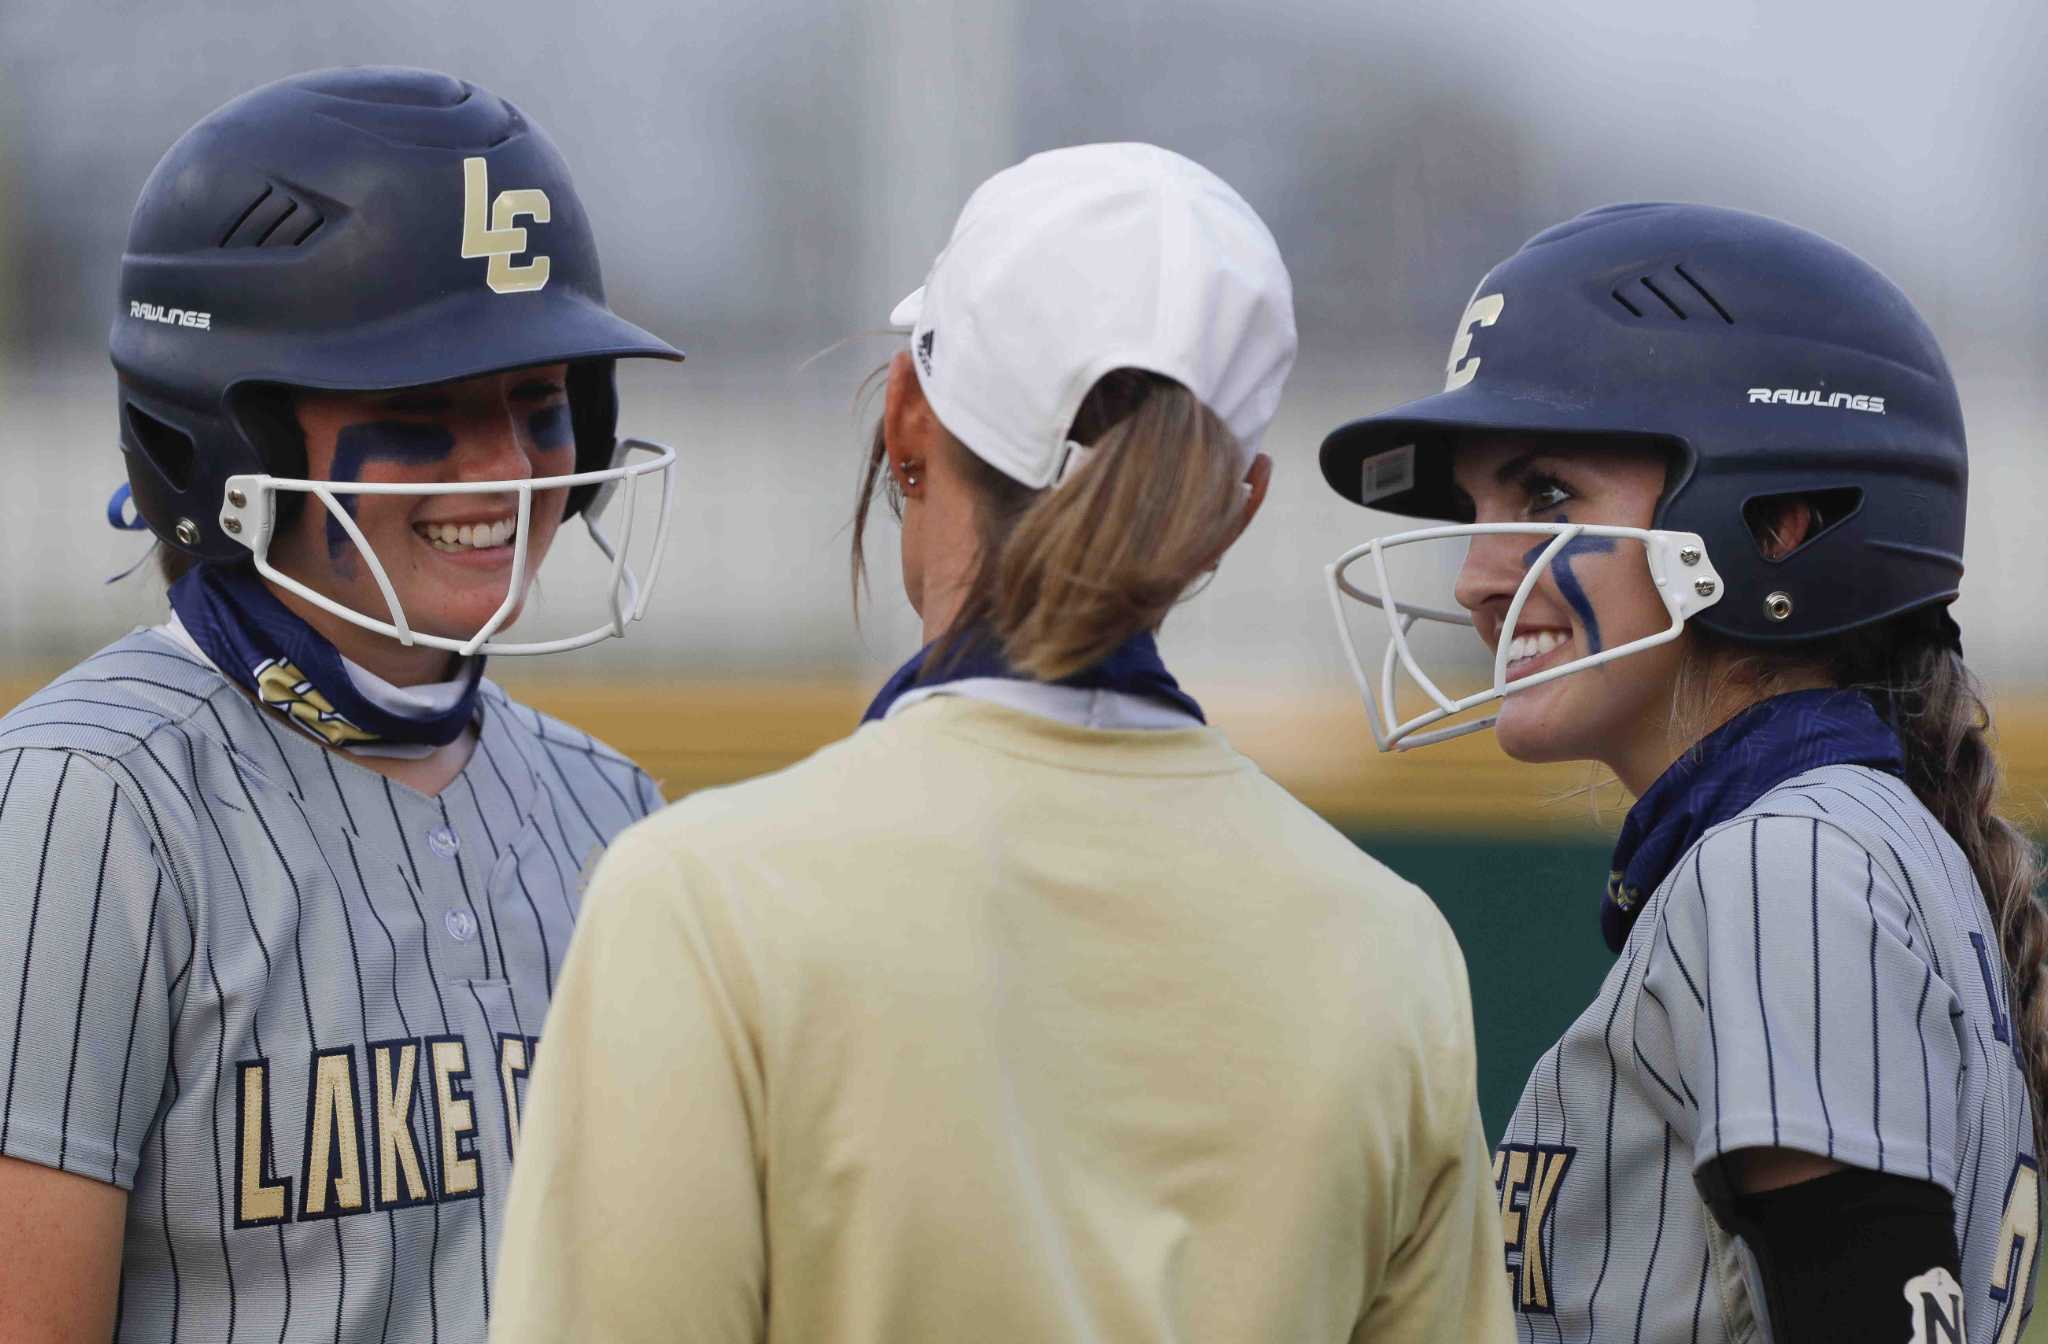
x: 1912, y: 672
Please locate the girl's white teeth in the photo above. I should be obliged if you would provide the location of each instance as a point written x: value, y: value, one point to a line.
x: 1536, y: 645
x: 470, y: 536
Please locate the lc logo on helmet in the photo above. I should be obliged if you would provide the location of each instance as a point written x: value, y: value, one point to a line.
x: 1459, y: 370
x: 500, y: 241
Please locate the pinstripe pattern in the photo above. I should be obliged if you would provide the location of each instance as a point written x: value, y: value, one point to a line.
x: 210, y: 907
x: 1834, y: 913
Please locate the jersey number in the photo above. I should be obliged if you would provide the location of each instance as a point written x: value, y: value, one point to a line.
x: 2012, y: 1263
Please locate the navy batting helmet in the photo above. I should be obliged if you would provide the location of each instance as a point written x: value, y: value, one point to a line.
x: 1771, y: 361
x: 349, y: 230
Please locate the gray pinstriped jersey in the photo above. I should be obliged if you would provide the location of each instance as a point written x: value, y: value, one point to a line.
x: 1818, y: 973
x: 287, y: 1005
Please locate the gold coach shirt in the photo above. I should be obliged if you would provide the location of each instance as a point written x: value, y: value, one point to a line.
x: 978, y: 1025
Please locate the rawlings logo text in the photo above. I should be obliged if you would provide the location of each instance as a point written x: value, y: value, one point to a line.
x: 170, y: 317
x: 1788, y: 396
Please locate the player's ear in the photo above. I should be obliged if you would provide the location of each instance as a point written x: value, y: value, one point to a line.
x: 1781, y: 524
x: 910, y: 431
x: 1256, y: 479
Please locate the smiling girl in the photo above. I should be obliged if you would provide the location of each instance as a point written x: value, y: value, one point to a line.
x: 1710, y: 473
x: 288, y: 881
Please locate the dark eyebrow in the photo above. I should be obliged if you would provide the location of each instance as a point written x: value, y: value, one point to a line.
x: 1515, y: 468
x: 420, y: 402
x: 539, y: 387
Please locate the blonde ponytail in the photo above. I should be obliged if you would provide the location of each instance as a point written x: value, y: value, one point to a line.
x: 1107, y: 554
x: 1066, y: 575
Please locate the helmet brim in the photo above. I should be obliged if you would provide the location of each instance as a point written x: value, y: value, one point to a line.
x: 1434, y: 426
x: 497, y: 333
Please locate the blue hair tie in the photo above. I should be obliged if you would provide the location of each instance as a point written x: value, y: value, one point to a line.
x: 124, y: 495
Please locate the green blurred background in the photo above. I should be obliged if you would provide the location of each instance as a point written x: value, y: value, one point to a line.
x: 1526, y: 911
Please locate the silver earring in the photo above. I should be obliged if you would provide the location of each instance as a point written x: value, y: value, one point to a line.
x: 909, y: 481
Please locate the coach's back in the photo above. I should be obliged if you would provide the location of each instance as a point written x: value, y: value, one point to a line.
x: 1028, y: 1031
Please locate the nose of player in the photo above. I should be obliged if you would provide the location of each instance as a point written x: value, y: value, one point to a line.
x: 1544, y: 635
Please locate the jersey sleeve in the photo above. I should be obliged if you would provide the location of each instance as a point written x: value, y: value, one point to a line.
x: 635, y: 1210
x: 648, y: 792
x: 93, y: 937
x: 1443, y: 1281
x: 1792, y: 1000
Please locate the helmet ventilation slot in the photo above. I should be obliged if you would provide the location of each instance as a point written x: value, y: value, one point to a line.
x: 170, y: 450
x: 275, y: 218
x: 1701, y: 290
x: 276, y: 224
x: 1667, y: 291
x: 1664, y: 298
x: 227, y: 239
x: 1826, y: 510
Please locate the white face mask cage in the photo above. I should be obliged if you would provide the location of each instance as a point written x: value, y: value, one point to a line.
x: 249, y: 514
x: 1679, y: 567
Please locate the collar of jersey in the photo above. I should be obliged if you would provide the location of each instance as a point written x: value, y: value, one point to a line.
x: 236, y: 623
x: 436, y: 698
x: 1130, y: 688
x: 1072, y: 705
x: 1727, y: 770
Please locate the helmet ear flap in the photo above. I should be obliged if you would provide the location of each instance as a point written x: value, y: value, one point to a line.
x: 162, y: 445
x: 267, y: 416
x: 594, y: 419
x: 178, y: 461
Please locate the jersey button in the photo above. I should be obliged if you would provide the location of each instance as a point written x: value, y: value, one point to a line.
x: 443, y: 842
x: 461, y: 925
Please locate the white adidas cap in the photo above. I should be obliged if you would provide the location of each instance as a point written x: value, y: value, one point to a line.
x: 1083, y: 260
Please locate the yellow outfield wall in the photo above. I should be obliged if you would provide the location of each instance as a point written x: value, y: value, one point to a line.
x: 694, y: 734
